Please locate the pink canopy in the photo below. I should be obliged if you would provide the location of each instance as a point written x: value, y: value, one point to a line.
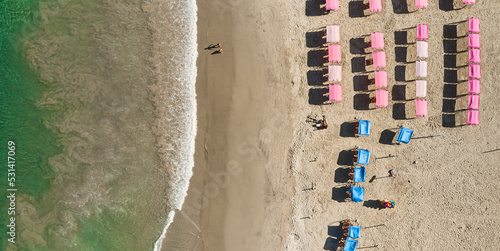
x: 334, y: 53
x: 474, y: 40
x: 421, y: 107
x: 475, y: 86
x: 419, y: 4
x: 422, y: 32
x: 474, y: 56
x: 422, y: 49
x: 332, y: 34
x: 378, y: 59
x: 377, y: 40
x: 475, y: 71
x: 332, y: 4
x: 473, y: 117
x: 335, y: 92
x: 473, y: 102
x: 469, y: 1
x: 381, y: 98
x: 380, y: 79
x: 375, y: 5
x: 335, y: 73
x: 421, y: 88
x: 421, y: 69
x: 474, y: 25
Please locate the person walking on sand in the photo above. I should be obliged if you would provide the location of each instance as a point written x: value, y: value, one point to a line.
x: 219, y: 51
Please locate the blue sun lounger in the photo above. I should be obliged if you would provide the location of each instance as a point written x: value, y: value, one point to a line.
x: 357, y: 194
x: 350, y: 244
x: 354, y: 232
x: 363, y: 157
x: 359, y: 174
x: 404, y: 135
x: 364, y: 127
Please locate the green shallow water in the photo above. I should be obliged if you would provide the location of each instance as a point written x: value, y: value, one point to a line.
x: 74, y: 94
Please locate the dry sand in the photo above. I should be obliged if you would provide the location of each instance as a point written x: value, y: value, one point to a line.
x: 257, y: 159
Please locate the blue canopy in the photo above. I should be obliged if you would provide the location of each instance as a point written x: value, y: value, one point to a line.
x: 364, y: 127
x: 350, y: 244
x: 357, y: 194
x: 359, y: 174
x: 404, y: 135
x: 354, y: 231
x: 363, y: 157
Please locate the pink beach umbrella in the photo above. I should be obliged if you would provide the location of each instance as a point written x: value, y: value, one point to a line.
x: 420, y: 4
x: 335, y: 73
x: 475, y: 71
x: 473, y: 117
x: 334, y: 53
x: 474, y: 40
x: 332, y: 34
x: 335, y: 92
x: 421, y: 107
x: 475, y: 86
x: 422, y: 49
x: 377, y: 40
x: 381, y: 98
x: 375, y: 5
x: 422, y: 32
x: 474, y: 25
x: 474, y: 56
x: 421, y: 69
x: 421, y: 88
x: 378, y: 59
x: 380, y: 79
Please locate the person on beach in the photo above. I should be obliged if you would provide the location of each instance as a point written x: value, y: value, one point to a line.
x: 219, y: 51
x: 213, y: 46
x: 319, y: 124
x: 393, y: 173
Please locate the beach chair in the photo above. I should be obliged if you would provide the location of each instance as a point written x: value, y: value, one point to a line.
x: 474, y: 56
x: 472, y: 71
x: 422, y: 32
x: 356, y: 194
x: 466, y: 2
x: 334, y: 73
x: 470, y: 56
x: 377, y: 60
x: 379, y: 99
x: 416, y: 108
x: 467, y: 117
x: 475, y: 71
x: 422, y: 49
x: 362, y: 127
x: 357, y: 174
x: 374, y: 5
x: 416, y: 90
x: 334, y: 93
x: 474, y: 25
x: 472, y: 86
x: 404, y: 135
x: 468, y: 102
x: 347, y: 244
x: 421, y: 69
x: 331, y: 5
x: 379, y: 79
x: 421, y: 4
x: 377, y: 41
x: 334, y: 53
x: 474, y: 41
x: 361, y: 156
x: 332, y: 34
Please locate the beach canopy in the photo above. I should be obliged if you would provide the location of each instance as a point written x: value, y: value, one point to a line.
x: 421, y: 88
x: 350, y: 244
x: 469, y: 2
x: 334, y: 53
x: 380, y: 79
x: 421, y: 107
x: 375, y: 5
x: 335, y: 73
x: 475, y: 71
x: 354, y: 232
x: 473, y: 117
x: 475, y: 56
x: 474, y: 40
x: 377, y: 40
x: 421, y: 69
x: 404, y: 135
x: 422, y: 32
x: 335, y: 92
x: 364, y: 127
x: 473, y: 102
x: 332, y: 34
x: 359, y: 175
x: 474, y: 25
x: 381, y: 98
x: 475, y: 86
x: 332, y: 5
x: 357, y: 194
x: 378, y: 59
x: 422, y: 49
x: 363, y: 157
x: 420, y: 4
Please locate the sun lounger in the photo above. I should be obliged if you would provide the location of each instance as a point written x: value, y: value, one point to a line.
x: 420, y: 107
x: 358, y: 174
x: 404, y: 135
x: 380, y: 79
x: 421, y: 69
x: 334, y: 73
x: 354, y: 232
x: 475, y: 71
x: 474, y: 41
x: 473, y: 103
x: 334, y: 53
x: 468, y: 117
x: 421, y: 88
x: 377, y: 41
x: 357, y: 194
x: 332, y: 34
x: 422, y: 49
x: 332, y: 5
x: 348, y: 244
x: 375, y: 5
x: 381, y: 98
x: 473, y: 86
x: 422, y: 32
x: 361, y: 157
x: 474, y: 25
x: 475, y: 56
x: 335, y: 92
x: 420, y: 4
x: 362, y: 127
x: 378, y: 59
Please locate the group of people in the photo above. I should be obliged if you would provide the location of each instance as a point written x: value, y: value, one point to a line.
x: 215, y: 46
x: 318, y: 124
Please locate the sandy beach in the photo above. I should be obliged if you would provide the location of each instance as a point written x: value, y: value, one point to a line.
x: 265, y: 179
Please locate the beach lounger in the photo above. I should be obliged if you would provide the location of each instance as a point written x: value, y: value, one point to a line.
x: 377, y: 60
x: 377, y: 41
x: 467, y: 102
x: 380, y: 99
x: 469, y: 2
x: 332, y: 34
x: 361, y: 157
x: 421, y: 69
x: 474, y: 41
x: 472, y: 71
x: 475, y: 71
x: 334, y: 53
x: 348, y: 244
x: 404, y: 135
x: 474, y: 25
x: 362, y: 127
x: 420, y: 107
x: 380, y: 79
x: 420, y: 4
x: 356, y: 194
x: 468, y: 117
x: 472, y: 86
x: 474, y: 56
x: 357, y: 174
x: 334, y: 73
x: 332, y: 5
x: 421, y: 88
x: 351, y: 231
x: 422, y: 32
x: 375, y: 5
x: 422, y: 49
x: 335, y: 93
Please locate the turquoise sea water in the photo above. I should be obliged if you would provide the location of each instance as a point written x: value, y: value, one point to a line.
x: 98, y: 166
